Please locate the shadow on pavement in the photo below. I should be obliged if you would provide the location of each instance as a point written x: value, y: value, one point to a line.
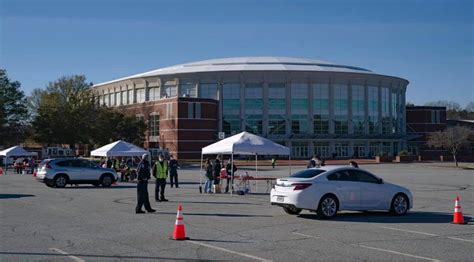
x: 213, y: 240
x: 385, y: 217
x: 91, y: 256
x: 216, y: 203
x: 4, y: 196
x: 212, y: 214
x: 96, y: 187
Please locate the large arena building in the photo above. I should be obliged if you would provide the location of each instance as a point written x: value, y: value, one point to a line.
x: 312, y: 106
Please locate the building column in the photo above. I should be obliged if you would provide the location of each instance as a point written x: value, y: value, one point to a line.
x: 350, y: 123
x: 242, y: 103
x: 220, y: 98
x: 288, y: 107
x: 379, y: 107
x: 265, y: 109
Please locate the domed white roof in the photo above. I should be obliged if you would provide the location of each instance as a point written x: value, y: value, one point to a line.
x: 256, y: 63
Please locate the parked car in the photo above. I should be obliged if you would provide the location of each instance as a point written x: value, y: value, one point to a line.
x: 62, y: 171
x: 329, y: 189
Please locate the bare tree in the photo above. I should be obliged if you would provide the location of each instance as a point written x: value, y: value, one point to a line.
x: 452, y: 139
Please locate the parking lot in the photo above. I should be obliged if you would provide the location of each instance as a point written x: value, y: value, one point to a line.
x: 87, y: 223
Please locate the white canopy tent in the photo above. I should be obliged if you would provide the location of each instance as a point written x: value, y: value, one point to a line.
x: 121, y: 148
x: 15, y: 151
x: 244, y: 144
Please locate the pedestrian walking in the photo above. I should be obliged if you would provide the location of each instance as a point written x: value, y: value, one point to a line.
x: 209, y: 176
x: 353, y: 164
x: 142, y: 186
x: 173, y: 166
x: 230, y: 170
x: 160, y: 171
x: 312, y: 162
x: 273, y: 162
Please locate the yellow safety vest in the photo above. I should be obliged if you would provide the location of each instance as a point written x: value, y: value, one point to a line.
x: 161, y: 170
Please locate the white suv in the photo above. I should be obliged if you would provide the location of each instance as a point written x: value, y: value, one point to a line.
x: 62, y: 171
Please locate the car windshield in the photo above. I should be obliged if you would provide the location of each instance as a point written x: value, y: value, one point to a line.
x: 308, y: 173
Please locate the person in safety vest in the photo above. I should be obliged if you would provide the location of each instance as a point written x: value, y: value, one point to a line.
x: 160, y: 172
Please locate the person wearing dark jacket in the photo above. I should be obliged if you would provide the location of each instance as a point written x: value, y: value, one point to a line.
x: 216, y: 171
x: 173, y: 166
x: 143, y: 171
x: 230, y: 170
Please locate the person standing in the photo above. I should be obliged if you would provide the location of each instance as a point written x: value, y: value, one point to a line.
x: 312, y: 162
x: 173, y: 165
x: 160, y: 171
x: 230, y: 170
x: 142, y: 186
x: 209, y: 177
x: 273, y: 162
x: 216, y: 173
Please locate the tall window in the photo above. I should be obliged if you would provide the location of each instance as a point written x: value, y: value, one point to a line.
x: 341, y: 109
x: 112, y: 99
x: 322, y: 149
x: 170, y: 90
x: 130, y: 96
x: 187, y: 90
x: 276, y: 109
x: 321, y: 108
x: 154, y: 124
x: 395, y: 127
x: 385, y: 111
x: 373, y: 105
x: 154, y: 94
x: 358, y: 109
x: 299, y: 149
x: 253, y: 108
x: 231, y: 108
x: 124, y: 98
x: 208, y: 91
x: 140, y: 94
x: 299, y: 108
x: 341, y: 149
x: 106, y: 100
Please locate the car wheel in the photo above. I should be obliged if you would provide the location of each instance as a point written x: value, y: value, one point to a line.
x: 107, y: 180
x: 399, y: 205
x: 327, y: 207
x: 292, y: 210
x: 60, y: 181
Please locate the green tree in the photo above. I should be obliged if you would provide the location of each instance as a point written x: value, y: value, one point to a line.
x: 13, y: 111
x: 64, y: 112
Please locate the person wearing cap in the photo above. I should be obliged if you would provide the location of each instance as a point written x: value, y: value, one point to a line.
x: 143, y: 171
x: 160, y: 172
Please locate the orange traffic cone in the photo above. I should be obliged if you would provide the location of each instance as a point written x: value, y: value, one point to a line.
x: 179, y: 232
x: 458, y: 218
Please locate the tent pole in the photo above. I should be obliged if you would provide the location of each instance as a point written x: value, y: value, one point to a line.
x: 256, y: 173
x: 232, y: 174
x: 200, y: 176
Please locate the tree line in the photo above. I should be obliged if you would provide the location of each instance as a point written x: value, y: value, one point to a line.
x: 64, y: 112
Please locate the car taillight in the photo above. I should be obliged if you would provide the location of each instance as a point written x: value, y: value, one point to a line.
x: 300, y: 186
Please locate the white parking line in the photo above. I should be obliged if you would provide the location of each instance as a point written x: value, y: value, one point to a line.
x: 373, y: 248
x: 395, y: 252
x: 410, y: 231
x: 67, y: 254
x: 428, y: 234
x: 461, y: 239
x: 229, y: 251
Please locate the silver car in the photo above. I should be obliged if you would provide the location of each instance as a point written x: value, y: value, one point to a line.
x: 62, y: 171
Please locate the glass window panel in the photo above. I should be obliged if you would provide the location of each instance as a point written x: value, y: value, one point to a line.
x: 154, y: 124
x: 276, y: 125
x: 170, y: 91
x: 231, y: 124
x: 140, y: 93
x: 208, y: 91
x: 154, y: 94
x: 187, y: 90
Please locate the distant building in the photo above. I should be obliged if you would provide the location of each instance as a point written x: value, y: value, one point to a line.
x: 314, y: 107
x: 421, y: 122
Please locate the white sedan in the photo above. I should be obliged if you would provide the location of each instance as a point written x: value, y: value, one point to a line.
x: 329, y: 189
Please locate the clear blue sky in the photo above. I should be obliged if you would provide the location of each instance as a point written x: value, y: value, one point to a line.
x: 430, y: 42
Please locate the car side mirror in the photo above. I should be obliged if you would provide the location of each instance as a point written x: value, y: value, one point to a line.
x: 380, y: 181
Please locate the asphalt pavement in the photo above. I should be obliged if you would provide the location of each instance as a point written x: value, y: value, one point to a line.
x: 87, y: 223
